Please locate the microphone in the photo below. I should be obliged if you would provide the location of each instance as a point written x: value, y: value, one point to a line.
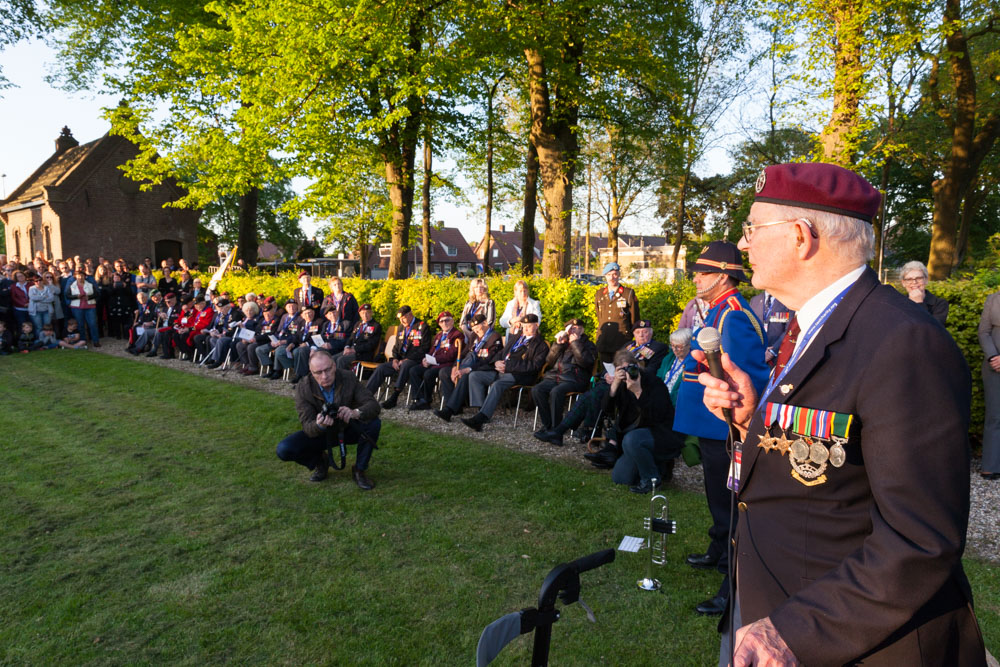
x: 710, y: 343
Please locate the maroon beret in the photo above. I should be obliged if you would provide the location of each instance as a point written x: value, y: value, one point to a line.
x: 819, y: 186
x: 304, y: 273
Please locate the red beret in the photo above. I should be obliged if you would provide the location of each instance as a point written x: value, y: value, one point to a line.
x: 819, y: 186
x: 444, y: 313
x: 304, y: 273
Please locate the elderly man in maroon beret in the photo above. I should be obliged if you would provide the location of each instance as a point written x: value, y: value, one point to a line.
x: 851, y: 467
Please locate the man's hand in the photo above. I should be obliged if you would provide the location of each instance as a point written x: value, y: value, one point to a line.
x: 736, y: 392
x: 500, y: 366
x: 324, y: 422
x: 995, y: 363
x: 455, y: 373
x: 348, y: 350
x: 425, y: 364
x: 275, y: 343
x: 395, y: 364
x: 346, y: 414
x: 290, y: 349
x: 760, y: 644
x: 573, y: 337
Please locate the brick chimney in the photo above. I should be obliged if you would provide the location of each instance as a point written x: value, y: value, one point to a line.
x: 503, y: 228
x: 65, y: 141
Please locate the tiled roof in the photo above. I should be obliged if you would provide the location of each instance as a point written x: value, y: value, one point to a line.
x: 62, y: 170
x: 445, y: 236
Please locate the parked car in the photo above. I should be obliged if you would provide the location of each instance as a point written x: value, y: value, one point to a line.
x: 653, y: 274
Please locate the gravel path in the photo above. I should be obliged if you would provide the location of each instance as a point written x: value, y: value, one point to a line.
x: 983, y: 534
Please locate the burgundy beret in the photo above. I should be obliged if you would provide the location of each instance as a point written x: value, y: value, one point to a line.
x: 819, y: 186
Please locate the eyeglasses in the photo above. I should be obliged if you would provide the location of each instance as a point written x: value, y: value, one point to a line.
x: 914, y: 279
x: 748, y: 227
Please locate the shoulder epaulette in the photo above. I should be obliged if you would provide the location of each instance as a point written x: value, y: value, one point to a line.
x: 734, y: 303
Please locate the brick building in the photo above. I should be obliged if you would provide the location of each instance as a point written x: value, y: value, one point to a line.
x: 505, y: 248
x: 450, y: 254
x: 78, y: 202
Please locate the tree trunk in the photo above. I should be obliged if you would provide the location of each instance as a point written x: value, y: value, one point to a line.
x: 840, y: 136
x: 590, y: 194
x: 554, y: 137
x: 530, y: 205
x: 489, y: 185
x: 614, y: 221
x: 974, y: 198
x: 247, y: 234
x: 681, y: 213
x: 968, y: 149
x: 363, y: 260
x: 426, y: 246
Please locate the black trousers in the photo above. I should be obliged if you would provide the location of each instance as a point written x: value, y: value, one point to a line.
x: 550, y: 397
x: 715, y: 461
x: 385, y: 370
x: 423, y: 379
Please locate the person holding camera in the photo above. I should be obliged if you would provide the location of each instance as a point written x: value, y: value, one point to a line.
x: 335, y: 409
x: 570, y: 365
x: 643, y: 431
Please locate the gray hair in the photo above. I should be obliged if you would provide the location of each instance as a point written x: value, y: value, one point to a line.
x: 623, y: 357
x: 850, y: 237
x: 681, y: 337
x: 251, y: 309
x: 915, y: 265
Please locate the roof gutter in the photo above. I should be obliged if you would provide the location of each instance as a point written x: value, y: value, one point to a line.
x: 18, y: 207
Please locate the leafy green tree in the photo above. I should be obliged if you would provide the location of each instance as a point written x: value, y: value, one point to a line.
x: 19, y: 19
x: 275, y: 224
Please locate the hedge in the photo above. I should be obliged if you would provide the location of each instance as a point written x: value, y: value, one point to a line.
x: 562, y: 299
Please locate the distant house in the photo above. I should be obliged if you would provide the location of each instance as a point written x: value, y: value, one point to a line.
x: 505, y: 249
x: 78, y: 202
x: 450, y: 254
x: 635, y: 251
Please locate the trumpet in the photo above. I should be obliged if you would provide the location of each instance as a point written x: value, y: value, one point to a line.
x: 658, y: 526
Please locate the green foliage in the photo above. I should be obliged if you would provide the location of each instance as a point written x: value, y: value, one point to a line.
x: 966, y: 299
x: 274, y: 223
x: 561, y: 299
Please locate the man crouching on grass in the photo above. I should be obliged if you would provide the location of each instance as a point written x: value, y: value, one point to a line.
x: 351, y: 417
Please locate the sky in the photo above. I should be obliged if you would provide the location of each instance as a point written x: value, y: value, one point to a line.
x: 32, y: 114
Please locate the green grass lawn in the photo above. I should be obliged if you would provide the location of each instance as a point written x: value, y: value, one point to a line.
x: 146, y: 520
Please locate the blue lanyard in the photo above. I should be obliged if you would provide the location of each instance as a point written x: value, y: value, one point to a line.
x: 802, y: 344
x: 442, y: 337
x: 521, y: 342
x: 770, y: 311
x: 406, y: 334
x: 675, y: 368
x: 482, y: 341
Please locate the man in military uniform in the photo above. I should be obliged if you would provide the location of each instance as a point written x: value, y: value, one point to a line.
x: 413, y: 340
x: 853, y: 487
x: 775, y: 317
x: 481, y: 354
x: 717, y: 272
x: 520, y: 363
x: 570, y: 365
x: 362, y: 342
x: 617, y: 313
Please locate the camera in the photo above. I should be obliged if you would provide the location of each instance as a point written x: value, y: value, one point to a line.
x: 330, y: 410
x: 632, y: 370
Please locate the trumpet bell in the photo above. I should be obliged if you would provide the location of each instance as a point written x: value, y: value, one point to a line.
x: 648, y: 584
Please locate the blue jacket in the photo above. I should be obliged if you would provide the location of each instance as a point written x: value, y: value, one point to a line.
x: 743, y: 340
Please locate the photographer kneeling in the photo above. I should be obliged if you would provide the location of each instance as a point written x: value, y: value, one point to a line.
x: 646, y: 443
x: 350, y: 417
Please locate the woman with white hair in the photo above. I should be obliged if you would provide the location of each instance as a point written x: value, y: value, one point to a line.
x: 914, y: 278
x: 672, y: 368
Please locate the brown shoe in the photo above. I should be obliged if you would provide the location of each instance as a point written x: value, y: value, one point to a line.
x: 361, y: 480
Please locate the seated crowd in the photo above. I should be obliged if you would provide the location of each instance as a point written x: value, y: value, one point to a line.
x: 620, y: 388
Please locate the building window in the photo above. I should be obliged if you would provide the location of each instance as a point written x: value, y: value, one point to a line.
x: 496, y: 253
x: 498, y: 266
x: 435, y: 268
x: 17, y: 244
x: 464, y: 267
x: 31, y: 247
x: 47, y: 241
